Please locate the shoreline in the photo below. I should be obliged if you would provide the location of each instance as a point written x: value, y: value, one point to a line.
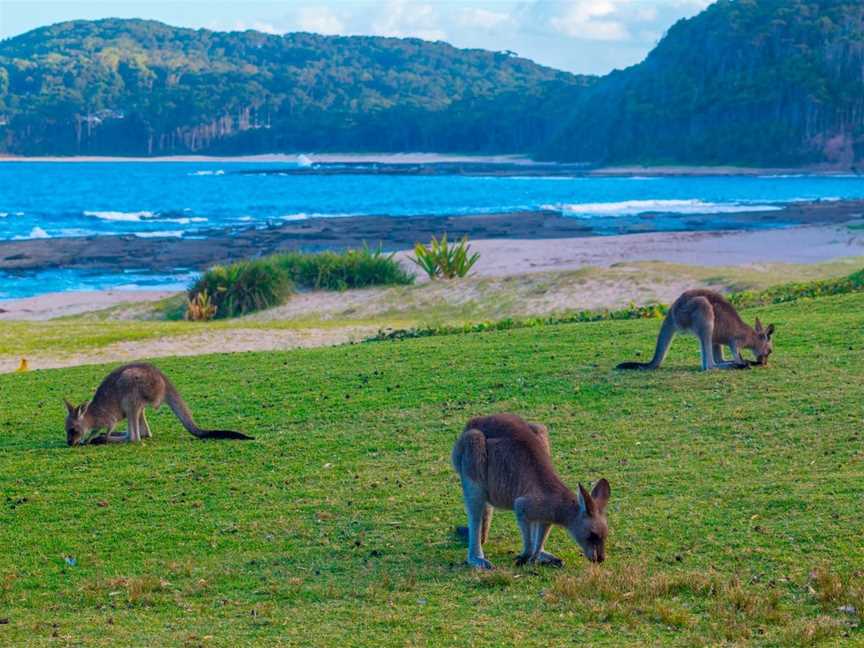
x: 171, y: 254
x: 501, y: 259
x: 509, y: 164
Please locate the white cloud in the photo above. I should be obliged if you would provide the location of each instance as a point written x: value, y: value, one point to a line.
x: 257, y: 25
x: 320, y: 20
x: 482, y: 18
x: 401, y: 18
x: 590, y: 20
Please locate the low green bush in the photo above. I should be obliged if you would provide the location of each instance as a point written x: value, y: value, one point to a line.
x: 358, y: 268
x: 243, y: 287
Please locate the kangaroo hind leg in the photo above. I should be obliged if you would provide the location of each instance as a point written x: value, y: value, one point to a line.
x: 469, y: 460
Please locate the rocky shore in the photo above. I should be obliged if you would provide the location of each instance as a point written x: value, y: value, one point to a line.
x: 393, y: 233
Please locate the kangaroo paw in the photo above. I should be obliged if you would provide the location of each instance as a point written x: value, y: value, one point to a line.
x: 548, y: 559
x: 480, y: 563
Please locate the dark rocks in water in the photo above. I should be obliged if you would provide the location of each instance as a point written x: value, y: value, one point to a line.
x: 393, y: 233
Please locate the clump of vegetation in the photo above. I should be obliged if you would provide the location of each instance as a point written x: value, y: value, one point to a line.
x: 243, y: 287
x: 248, y: 286
x: 343, y: 270
x: 445, y: 260
x: 200, y: 308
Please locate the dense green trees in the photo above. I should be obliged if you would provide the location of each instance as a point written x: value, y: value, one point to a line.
x: 141, y: 87
x: 759, y: 82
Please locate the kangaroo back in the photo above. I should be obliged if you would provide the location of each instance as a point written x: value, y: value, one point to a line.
x: 180, y: 409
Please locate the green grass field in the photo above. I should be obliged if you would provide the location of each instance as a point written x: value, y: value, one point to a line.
x: 737, y: 511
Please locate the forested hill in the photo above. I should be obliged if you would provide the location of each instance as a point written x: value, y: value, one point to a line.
x: 755, y: 82
x: 144, y: 88
x: 750, y: 82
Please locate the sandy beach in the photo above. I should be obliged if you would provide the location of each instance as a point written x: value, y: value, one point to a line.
x: 516, y: 257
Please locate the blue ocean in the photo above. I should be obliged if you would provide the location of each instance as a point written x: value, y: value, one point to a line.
x: 186, y: 199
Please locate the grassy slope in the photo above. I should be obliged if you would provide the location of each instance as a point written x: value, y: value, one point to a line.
x: 333, y: 527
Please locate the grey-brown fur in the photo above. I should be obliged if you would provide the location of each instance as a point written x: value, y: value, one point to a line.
x: 123, y: 394
x: 505, y: 462
x: 711, y: 318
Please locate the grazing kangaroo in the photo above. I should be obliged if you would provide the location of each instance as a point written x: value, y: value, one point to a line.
x: 123, y: 394
x: 505, y: 462
x: 710, y: 317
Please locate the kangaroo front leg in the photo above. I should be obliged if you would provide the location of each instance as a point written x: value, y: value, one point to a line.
x: 133, y: 431
x: 144, y: 426
x: 527, y: 530
x: 737, y: 361
x: 542, y: 557
x: 487, y: 522
x: 475, y: 507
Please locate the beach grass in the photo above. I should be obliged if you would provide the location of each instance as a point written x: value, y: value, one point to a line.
x: 736, y: 513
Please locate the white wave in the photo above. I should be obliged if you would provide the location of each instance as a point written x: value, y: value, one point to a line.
x: 4, y: 214
x: 126, y: 217
x: 137, y: 217
x: 167, y: 234
x: 182, y: 221
x: 217, y: 172
x: 38, y: 233
x: 303, y: 161
x: 633, y: 207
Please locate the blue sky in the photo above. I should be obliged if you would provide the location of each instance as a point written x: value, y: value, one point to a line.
x: 588, y: 36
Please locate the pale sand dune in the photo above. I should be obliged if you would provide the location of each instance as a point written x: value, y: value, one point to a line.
x: 53, y: 305
x: 790, y: 245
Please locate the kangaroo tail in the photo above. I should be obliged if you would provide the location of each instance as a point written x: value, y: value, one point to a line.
x: 180, y: 409
x: 664, y: 339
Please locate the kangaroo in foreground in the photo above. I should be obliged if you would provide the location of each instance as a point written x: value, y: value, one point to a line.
x: 505, y: 462
x: 123, y: 394
x: 710, y: 317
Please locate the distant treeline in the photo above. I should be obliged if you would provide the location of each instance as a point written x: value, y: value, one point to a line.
x: 758, y: 82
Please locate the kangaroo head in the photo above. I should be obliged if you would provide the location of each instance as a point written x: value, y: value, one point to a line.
x: 76, y: 426
x: 588, y: 524
x: 763, y: 346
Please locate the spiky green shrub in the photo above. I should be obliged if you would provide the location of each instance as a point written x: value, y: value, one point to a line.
x: 445, y: 260
x: 243, y: 287
x: 358, y: 268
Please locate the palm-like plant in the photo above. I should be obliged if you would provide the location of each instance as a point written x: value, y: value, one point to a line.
x: 443, y: 259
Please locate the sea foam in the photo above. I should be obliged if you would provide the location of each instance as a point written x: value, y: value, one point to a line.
x: 633, y: 207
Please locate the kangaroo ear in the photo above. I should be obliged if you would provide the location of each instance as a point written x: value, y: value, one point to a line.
x: 69, y: 406
x: 770, y: 330
x: 758, y: 326
x: 600, y: 494
x: 590, y: 507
